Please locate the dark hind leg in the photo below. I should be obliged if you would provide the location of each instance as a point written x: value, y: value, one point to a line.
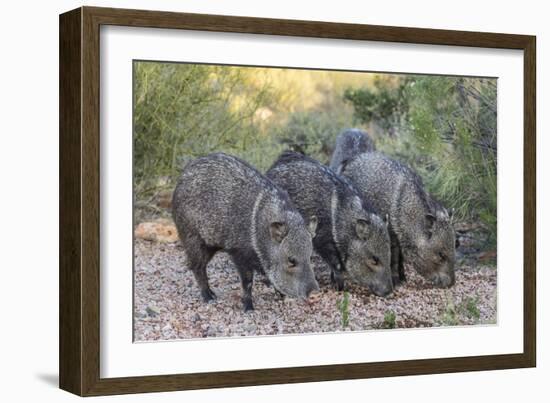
x: 401, y: 267
x: 330, y: 256
x: 198, y: 256
x: 396, y: 260
x: 337, y: 278
x: 264, y: 279
x: 246, y: 264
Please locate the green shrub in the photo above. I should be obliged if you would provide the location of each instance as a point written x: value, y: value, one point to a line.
x: 343, y: 307
x: 389, y: 320
x: 450, y: 315
x: 384, y: 103
x: 184, y: 111
x: 453, y: 313
x: 471, y: 307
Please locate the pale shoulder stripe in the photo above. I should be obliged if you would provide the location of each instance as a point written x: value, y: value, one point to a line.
x: 333, y: 210
x: 253, y: 225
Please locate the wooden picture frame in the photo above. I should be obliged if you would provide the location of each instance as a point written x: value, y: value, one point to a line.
x: 79, y: 280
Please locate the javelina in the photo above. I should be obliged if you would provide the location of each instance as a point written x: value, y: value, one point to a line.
x: 421, y: 231
x: 350, y: 143
x: 350, y: 236
x: 223, y: 204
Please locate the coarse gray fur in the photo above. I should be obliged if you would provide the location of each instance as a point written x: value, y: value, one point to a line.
x: 349, y: 143
x: 350, y: 236
x: 421, y: 229
x: 221, y: 203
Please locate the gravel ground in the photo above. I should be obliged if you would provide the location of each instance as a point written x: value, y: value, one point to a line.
x: 167, y: 303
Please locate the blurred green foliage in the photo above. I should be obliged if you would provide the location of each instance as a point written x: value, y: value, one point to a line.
x: 183, y: 111
x: 384, y: 103
x: 311, y: 133
x: 343, y: 308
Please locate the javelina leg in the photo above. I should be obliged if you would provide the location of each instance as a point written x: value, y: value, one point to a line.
x: 246, y: 281
x: 264, y: 278
x: 330, y: 256
x: 337, y: 279
x: 245, y: 263
x: 401, y: 267
x: 395, y: 259
x: 267, y: 281
x: 198, y: 255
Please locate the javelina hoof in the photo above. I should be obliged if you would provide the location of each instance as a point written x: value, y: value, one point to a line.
x: 337, y: 281
x: 279, y: 294
x: 247, y: 305
x: 396, y: 280
x: 208, y: 295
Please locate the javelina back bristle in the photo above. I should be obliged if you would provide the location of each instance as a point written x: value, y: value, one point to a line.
x: 349, y: 143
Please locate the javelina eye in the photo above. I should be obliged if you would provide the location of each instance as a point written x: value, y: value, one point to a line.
x: 374, y: 261
x: 292, y: 262
x: 442, y: 256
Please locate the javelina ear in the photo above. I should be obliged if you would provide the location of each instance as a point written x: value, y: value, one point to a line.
x: 431, y: 220
x: 340, y: 168
x: 361, y: 227
x: 451, y: 213
x: 386, y: 219
x: 278, y: 231
x: 312, y: 225
x: 443, y: 214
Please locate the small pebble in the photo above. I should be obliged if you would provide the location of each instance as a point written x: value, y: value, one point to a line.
x: 153, y: 310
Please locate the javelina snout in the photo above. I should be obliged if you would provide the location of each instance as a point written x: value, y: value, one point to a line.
x: 436, y: 251
x: 296, y: 286
x: 292, y: 274
x: 382, y: 289
x: 378, y: 279
x: 368, y: 254
x: 314, y: 288
x: 443, y: 279
x: 311, y: 288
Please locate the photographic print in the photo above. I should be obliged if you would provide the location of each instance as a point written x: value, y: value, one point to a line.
x: 273, y: 201
x: 291, y: 201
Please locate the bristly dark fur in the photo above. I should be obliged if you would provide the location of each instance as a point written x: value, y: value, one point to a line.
x: 349, y: 143
x: 289, y: 156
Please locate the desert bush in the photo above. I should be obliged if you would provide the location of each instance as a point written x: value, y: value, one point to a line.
x: 184, y: 111
x: 343, y: 308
